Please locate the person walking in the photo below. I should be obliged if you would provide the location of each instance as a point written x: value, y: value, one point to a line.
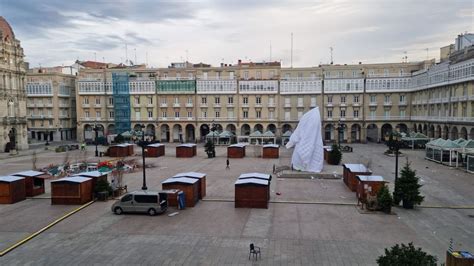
x: 227, y: 163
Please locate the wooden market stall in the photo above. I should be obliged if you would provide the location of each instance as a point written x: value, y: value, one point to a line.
x: 186, y: 150
x: 120, y: 150
x: 260, y: 176
x: 155, y: 150
x: 252, y: 193
x: 271, y: 151
x: 201, y: 177
x: 71, y: 190
x: 351, y: 171
x: 34, y: 182
x: 326, y: 149
x: 236, y: 151
x: 172, y: 197
x: 189, y: 186
x: 368, y: 185
x: 12, y: 189
x: 95, y: 176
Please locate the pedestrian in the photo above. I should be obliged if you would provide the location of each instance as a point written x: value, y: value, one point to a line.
x: 228, y: 163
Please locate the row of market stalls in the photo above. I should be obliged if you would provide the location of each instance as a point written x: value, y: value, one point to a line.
x: 458, y: 153
x: 256, y: 137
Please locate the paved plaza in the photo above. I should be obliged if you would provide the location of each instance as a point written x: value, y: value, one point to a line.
x: 310, y: 222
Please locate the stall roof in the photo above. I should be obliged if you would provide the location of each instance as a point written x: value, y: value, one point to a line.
x: 212, y: 134
x: 370, y: 178
x: 239, y: 145
x: 190, y: 174
x: 271, y: 146
x: 10, y: 178
x: 184, y: 180
x: 449, y: 144
x: 468, y: 144
x: 269, y: 134
x: 189, y: 145
x: 156, y: 145
x: 436, y: 142
x: 30, y: 173
x: 123, y: 145
x: 255, y: 175
x: 287, y: 134
x: 356, y: 167
x: 256, y: 133
x: 254, y: 181
x: 91, y: 174
x: 226, y: 134
x: 73, y: 179
x: 460, y: 141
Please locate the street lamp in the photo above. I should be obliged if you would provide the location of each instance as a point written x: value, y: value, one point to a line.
x: 143, y: 144
x: 340, y: 129
x: 96, y: 129
x: 394, y: 142
x: 46, y: 132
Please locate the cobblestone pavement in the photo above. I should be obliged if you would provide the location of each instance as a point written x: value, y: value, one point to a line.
x: 215, y: 233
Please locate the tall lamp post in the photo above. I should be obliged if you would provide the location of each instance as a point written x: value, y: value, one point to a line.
x: 96, y: 129
x: 394, y: 142
x: 340, y: 130
x: 143, y: 144
x: 46, y: 132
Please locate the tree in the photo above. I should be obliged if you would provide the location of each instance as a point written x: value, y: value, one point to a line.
x: 407, y: 256
x: 407, y: 187
x: 210, y: 149
x: 384, y: 199
x: 335, y: 155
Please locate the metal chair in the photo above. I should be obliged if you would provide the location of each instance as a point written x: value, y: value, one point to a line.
x: 255, y: 251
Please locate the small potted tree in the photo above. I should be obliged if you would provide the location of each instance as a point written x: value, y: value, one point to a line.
x: 210, y: 149
x: 335, y: 155
x: 102, y: 189
x: 384, y: 199
x: 409, y: 188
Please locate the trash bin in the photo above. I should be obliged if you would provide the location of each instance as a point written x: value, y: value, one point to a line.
x: 102, y: 196
x: 181, y: 200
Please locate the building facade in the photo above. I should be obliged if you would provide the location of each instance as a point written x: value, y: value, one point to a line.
x: 13, y: 132
x: 51, y: 105
x: 358, y: 103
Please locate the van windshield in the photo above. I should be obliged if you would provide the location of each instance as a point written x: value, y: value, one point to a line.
x: 126, y: 198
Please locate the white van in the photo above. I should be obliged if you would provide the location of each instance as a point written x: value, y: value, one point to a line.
x: 142, y: 201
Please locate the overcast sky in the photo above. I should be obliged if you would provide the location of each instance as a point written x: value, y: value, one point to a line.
x: 55, y: 32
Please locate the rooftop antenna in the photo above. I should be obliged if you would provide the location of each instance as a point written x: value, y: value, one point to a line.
x: 405, y: 57
x: 291, y: 61
x: 135, y: 50
x: 103, y: 59
x: 146, y: 55
x: 126, y: 54
x: 187, y: 59
x: 95, y: 57
x: 427, y: 51
x: 331, y: 51
x: 270, y: 51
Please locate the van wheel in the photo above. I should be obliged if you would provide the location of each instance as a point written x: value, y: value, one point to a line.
x: 152, y: 212
x: 118, y: 210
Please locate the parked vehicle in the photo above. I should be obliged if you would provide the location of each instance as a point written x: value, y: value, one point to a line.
x: 142, y: 201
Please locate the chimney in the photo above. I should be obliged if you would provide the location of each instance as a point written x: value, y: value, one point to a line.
x: 240, y: 61
x: 360, y: 63
x: 222, y: 64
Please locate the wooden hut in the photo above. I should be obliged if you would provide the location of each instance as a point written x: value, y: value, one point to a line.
x: 120, y: 150
x: 236, y: 151
x: 71, y: 190
x: 188, y: 185
x: 201, y: 177
x: 95, y: 176
x: 252, y: 193
x: 172, y: 197
x: 271, y: 151
x: 368, y: 185
x: 351, y: 171
x: 186, y: 150
x: 34, y: 182
x: 155, y: 150
x: 256, y: 175
x: 12, y: 189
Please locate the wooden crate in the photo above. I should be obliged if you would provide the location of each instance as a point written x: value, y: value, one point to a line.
x: 350, y: 172
x: 73, y: 190
x: 271, y: 151
x: 252, y: 193
x: 188, y: 185
x: 155, y: 150
x: 236, y: 151
x: 12, y: 189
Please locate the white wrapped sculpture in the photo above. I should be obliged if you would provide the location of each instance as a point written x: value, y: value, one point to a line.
x: 307, y: 140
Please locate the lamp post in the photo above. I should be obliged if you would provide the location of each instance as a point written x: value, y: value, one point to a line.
x: 143, y: 144
x: 394, y: 143
x: 340, y: 129
x: 46, y: 132
x: 96, y: 129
